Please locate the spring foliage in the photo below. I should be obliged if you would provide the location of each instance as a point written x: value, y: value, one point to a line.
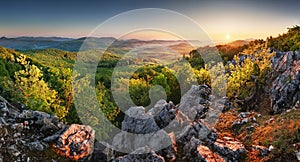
x: 35, y: 92
x: 42, y: 79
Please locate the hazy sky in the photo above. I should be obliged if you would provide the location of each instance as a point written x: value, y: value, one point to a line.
x: 77, y: 18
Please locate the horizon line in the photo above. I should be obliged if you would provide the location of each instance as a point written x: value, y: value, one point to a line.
x: 99, y: 37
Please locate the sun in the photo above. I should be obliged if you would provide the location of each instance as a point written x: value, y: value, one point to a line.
x: 228, y: 36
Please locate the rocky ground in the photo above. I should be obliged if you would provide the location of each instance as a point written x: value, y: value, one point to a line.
x: 285, y: 81
x: 201, y: 128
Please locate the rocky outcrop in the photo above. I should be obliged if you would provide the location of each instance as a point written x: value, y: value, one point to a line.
x: 22, y: 134
x: 138, y: 122
x: 48, y: 124
x: 76, y: 142
x: 285, y: 81
x: 165, y: 133
x: 242, y: 119
x: 181, y: 133
x: 30, y: 135
x: 140, y: 156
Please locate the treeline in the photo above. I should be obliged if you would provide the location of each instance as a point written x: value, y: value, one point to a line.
x: 226, y: 52
x: 289, y: 41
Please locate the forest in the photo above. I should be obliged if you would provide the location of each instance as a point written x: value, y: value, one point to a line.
x: 42, y: 79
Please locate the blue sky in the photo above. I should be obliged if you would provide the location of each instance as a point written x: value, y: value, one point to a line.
x: 239, y: 19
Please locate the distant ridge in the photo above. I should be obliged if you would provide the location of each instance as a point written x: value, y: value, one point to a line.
x: 238, y: 43
x: 67, y: 44
x: 97, y: 38
x: 75, y: 44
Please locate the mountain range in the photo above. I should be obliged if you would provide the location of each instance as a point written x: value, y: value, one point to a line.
x: 87, y: 43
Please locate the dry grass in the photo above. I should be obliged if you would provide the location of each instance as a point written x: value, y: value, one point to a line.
x: 282, y: 131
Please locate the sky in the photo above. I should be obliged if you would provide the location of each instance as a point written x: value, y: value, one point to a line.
x: 222, y: 20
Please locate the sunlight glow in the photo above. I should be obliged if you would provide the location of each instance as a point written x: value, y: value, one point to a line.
x: 228, y: 36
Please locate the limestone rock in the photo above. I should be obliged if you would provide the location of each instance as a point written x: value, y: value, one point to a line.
x: 76, y: 142
x: 136, y: 156
x: 137, y: 121
x: 285, y: 81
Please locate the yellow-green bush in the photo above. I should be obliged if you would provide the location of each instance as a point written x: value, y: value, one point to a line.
x: 35, y: 92
x: 243, y: 78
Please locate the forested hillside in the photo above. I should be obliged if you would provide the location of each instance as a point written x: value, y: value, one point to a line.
x: 41, y: 79
x: 25, y: 73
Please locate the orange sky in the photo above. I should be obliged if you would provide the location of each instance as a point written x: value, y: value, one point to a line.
x: 218, y: 18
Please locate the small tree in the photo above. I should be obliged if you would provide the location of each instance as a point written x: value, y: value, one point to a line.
x: 36, y: 93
